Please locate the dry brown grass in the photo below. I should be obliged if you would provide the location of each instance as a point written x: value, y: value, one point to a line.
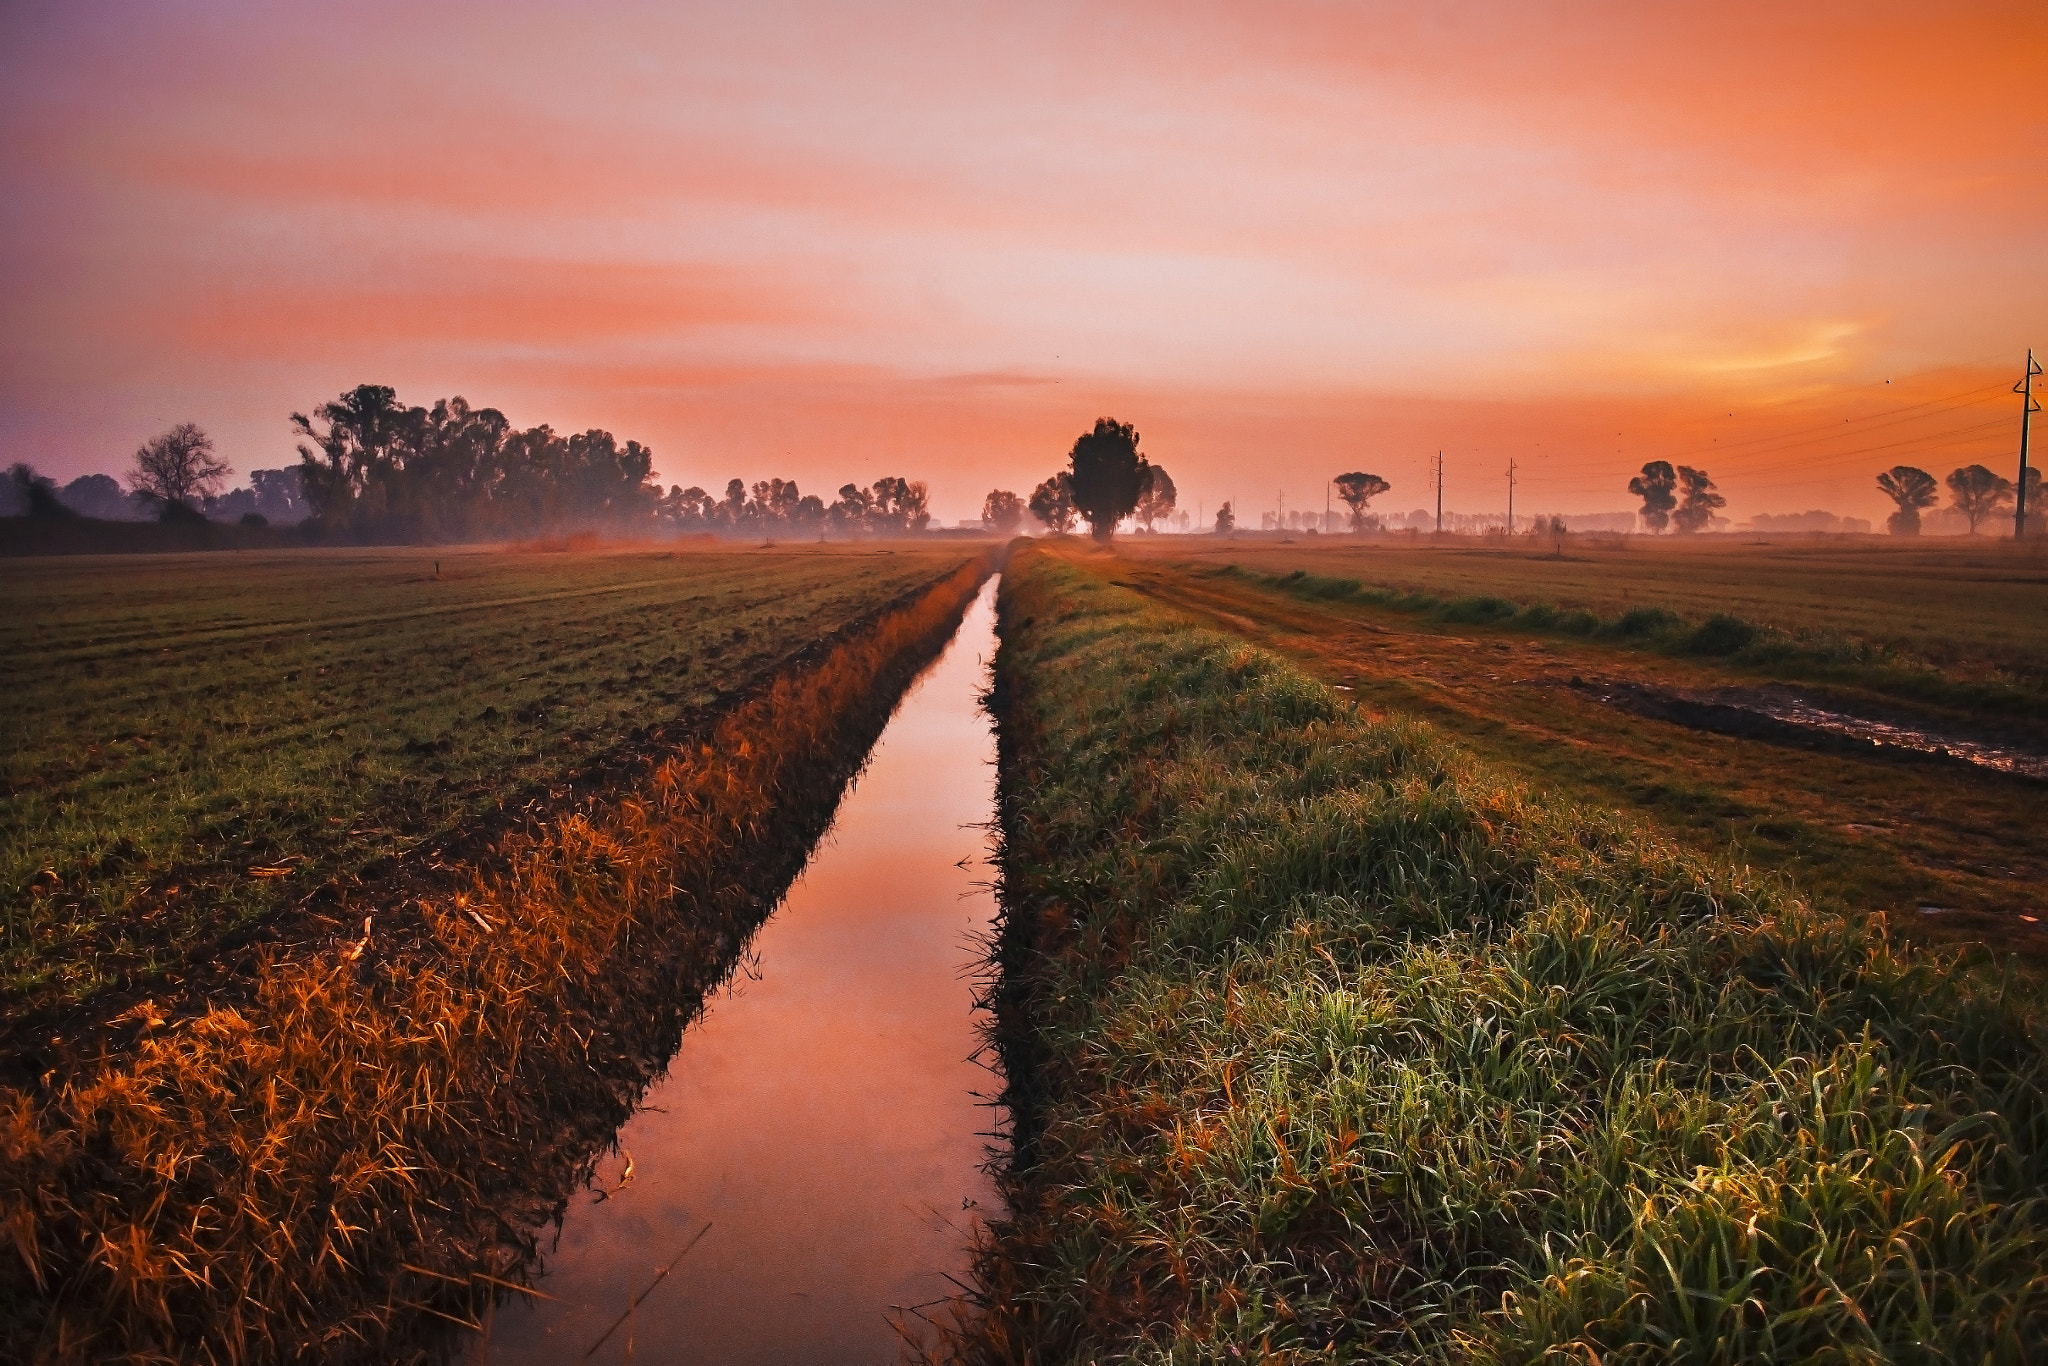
x: 307, y: 1175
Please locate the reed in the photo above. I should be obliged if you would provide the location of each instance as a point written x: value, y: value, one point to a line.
x: 369, y: 1142
x: 1327, y: 1043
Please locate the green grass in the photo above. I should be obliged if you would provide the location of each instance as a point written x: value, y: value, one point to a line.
x: 1332, y: 1044
x: 1960, y: 625
x: 194, y: 742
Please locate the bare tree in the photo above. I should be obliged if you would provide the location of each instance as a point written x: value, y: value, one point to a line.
x: 1357, y: 490
x: 1912, y: 489
x: 1977, y: 493
x: 175, y: 469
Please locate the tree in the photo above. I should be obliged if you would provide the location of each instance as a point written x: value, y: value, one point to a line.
x: 1108, y: 474
x: 1002, y: 512
x: 1156, y: 499
x: 174, y: 470
x: 36, y: 496
x: 1556, y: 530
x: 1700, y: 500
x: 1912, y: 489
x: 1052, y: 503
x: 1977, y: 493
x: 1654, y: 486
x: 1226, y: 520
x: 98, y: 495
x: 1357, y: 490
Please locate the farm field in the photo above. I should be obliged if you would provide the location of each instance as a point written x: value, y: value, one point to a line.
x: 330, y: 1142
x: 1855, y: 830
x: 1334, y: 1036
x: 1840, y: 606
x: 194, y: 742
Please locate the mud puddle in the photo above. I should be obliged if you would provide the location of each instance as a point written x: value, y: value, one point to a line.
x: 808, y: 1175
x: 1784, y: 716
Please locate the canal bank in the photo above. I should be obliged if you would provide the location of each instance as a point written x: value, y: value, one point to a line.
x: 811, y: 1166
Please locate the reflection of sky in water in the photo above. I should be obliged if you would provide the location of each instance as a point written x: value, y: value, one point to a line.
x: 823, y: 1119
x: 1879, y: 732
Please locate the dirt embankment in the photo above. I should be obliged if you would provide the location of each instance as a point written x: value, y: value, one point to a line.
x: 362, y: 1140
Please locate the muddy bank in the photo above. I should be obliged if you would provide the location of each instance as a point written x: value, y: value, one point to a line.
x: 1785, y: 716
x: 363, y: 1146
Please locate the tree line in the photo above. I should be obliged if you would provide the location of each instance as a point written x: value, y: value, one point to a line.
x: 1977, y: 494
x: 374, y: 469
x: 1107, y: 479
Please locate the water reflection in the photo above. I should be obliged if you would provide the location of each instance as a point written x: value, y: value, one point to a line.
x: 820, y: 1131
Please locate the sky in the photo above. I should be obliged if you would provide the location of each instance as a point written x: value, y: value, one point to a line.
x: 1791, y: 244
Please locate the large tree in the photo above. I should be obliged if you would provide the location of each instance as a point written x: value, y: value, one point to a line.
x: 1002, y: 512
x: 1654, y: 486
x: 1977, y: 493
x: 1358, y: 489
x: 1108, y: 474
x: 1912, y: 489
x: 1700, y: 500
x: 1156, y: 499
x: 1226, y: 520
x: 1052, y: 503
x: 173, y: 471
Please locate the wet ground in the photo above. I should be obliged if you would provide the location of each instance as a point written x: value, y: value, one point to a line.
x: 1786, y: 716
x: 806, y: 1180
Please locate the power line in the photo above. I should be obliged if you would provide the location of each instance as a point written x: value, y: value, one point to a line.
x: 1871, y: 422
x: 1859, y: 431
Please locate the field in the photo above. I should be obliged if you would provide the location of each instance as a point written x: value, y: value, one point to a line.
x: 1331, y: 1038
x: 192, y: 743
x: 350, y: 1128
x: 1972, y: 612
x: 1461, y: 639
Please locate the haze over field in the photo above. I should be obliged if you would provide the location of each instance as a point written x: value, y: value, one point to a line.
x: 838, y: 241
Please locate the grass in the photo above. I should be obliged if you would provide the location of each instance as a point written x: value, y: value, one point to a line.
x: 1857, y: 833
x: 355, y: 1144
x: 193, y: 743
x: 1330, y: 1042
x: 1955, y: 624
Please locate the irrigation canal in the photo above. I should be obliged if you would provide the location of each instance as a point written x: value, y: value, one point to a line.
x: 818, y: 1141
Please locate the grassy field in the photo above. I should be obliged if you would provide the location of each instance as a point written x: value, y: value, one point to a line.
x: 193, y: 742
x: 1330, y: 1041
x: 1944, y: 620
x: 1858, y: 833
x: 364, y: 1131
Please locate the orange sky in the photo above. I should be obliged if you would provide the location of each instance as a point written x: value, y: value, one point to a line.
x: 839, y: 241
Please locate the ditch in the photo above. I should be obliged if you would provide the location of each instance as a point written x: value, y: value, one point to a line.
x: 806, y: 1180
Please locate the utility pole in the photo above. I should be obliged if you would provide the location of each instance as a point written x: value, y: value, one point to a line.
x: 2025, y: 388
x: 1326, y: 506
x: 1511, y: 496
x: 1439, y: 493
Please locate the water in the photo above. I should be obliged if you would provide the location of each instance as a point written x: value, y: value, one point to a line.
x: 820, y: 1133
